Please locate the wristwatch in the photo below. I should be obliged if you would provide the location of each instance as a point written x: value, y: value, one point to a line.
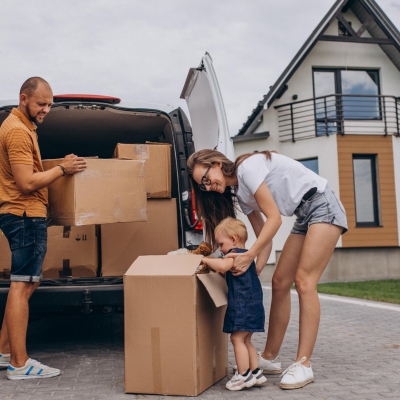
x: 62, y: 169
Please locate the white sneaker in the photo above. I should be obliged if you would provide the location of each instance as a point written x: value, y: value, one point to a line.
x: 32, y: 369
x: 297, y: 375
x: 260, y: 378
x: 269, y: 367
x: 4, y: 360
x: 238, y: 382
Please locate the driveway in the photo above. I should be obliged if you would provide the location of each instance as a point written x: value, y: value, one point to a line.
x: 357, y: 356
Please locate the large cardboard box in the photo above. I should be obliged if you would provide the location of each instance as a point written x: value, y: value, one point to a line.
x: 71, y: 251
x: 108, y: 191
x: 158, y: 165
x: 174, y: 344
x: 5, y: 257
x: 121, y: 244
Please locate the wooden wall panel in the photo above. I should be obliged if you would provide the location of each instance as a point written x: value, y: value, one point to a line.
x: 387, y: 234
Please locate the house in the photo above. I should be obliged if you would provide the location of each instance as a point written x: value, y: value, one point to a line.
x: 335, y: 108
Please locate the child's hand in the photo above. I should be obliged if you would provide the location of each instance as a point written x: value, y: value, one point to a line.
x: 241, y: 262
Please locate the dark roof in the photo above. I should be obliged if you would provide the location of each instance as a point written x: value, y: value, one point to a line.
x: 379, y: 28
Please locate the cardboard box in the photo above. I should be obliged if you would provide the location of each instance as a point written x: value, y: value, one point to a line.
x: 71, y: 251
x: 121, y: 244
x: 5, y: 257
x: 107, y: 191
x: 158, y: 165
x: 174, y: 344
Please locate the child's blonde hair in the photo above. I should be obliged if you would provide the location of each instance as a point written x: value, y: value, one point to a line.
x: 232, y: 227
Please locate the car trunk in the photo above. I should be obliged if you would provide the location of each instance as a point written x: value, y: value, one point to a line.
x: 94, y: 131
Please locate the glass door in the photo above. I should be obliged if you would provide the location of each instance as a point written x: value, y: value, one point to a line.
x: 325, y: 86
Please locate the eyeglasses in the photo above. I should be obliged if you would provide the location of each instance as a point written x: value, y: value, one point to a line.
x: 205, y: 181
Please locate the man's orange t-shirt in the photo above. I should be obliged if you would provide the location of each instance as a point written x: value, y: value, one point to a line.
x: 19, y: 145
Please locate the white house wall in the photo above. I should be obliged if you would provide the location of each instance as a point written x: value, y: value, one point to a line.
x: 328, y: 55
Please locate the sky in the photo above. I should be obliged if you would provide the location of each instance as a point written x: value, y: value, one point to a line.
x: 141, y: 50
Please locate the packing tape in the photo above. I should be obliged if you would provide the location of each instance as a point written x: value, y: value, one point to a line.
x: 83, y: 217
x: 214, y: 363
x: 66, y: 270
x: 156, y: 359
x: 66, y: 231
x: 117, y: 208
x: 142, y: 151
x: 143, y: 213
x: 142, y: 173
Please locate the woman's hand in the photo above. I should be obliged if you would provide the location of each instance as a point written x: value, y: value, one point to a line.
x: 241, y: 262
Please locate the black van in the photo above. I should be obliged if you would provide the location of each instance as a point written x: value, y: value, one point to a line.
x: 89, y: 125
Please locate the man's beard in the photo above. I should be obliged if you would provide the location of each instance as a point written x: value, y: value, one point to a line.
x: 33, y: 118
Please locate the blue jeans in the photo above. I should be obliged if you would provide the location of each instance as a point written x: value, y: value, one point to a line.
x: 27, y: 238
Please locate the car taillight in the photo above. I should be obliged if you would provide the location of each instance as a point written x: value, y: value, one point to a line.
x: 199, y: 226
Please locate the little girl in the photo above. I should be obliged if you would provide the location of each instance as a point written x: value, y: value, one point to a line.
x: 245, y: 311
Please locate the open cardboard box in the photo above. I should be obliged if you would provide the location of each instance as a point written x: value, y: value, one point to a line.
x: 174, y: 344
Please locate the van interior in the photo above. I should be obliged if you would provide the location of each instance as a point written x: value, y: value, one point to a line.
x: 95, y: 130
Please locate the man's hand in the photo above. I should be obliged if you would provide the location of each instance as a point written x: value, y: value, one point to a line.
x: 73, y: 164
x: 27, y: 181
x: 241, y: 262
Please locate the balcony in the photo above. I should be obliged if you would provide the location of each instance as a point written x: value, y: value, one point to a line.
x: 338, y: 114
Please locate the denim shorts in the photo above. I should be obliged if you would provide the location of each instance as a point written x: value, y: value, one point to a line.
x: 27, y: 238
x: 320, y: 208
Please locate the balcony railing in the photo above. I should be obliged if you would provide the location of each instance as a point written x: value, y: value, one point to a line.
x: 339, y: 114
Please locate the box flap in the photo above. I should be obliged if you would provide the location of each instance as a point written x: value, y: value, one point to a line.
x: 216, y: 288
x: 165, y: 265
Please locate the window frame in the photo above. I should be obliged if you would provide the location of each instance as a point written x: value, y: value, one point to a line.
x: 309, y: 159
x: 338, y: 88
x: 375, y: 190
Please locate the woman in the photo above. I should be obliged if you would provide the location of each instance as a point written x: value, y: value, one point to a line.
x: 272, y: 184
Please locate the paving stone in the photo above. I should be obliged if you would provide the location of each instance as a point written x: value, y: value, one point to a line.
x: 89, y: 351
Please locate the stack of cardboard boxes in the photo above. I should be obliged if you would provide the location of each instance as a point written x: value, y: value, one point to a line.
x: 121, y: 244
x: 174, y: 343
x: 86, y: 237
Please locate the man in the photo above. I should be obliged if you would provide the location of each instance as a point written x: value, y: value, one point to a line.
x: 23, y: 211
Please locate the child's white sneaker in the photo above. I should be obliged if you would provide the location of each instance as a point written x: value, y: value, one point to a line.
x: 260, y: 378
x: 297, y: 375
x: 238, y: 382
x: 269, y: 367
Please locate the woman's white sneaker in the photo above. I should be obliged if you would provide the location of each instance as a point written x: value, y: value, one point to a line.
x: 269, y: 367
x: 297, y: 375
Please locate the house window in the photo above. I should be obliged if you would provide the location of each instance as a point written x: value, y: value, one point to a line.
x: 344, y: 94
x: 342, y: 31
x: 310, y: 163
x: 366, y: 190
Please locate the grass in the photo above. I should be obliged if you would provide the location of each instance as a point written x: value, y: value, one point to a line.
x: 382, y: 290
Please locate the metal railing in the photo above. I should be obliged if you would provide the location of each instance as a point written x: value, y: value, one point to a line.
x: 339, y: 114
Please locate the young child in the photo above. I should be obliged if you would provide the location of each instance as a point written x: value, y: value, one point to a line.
x: 245, y: 311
